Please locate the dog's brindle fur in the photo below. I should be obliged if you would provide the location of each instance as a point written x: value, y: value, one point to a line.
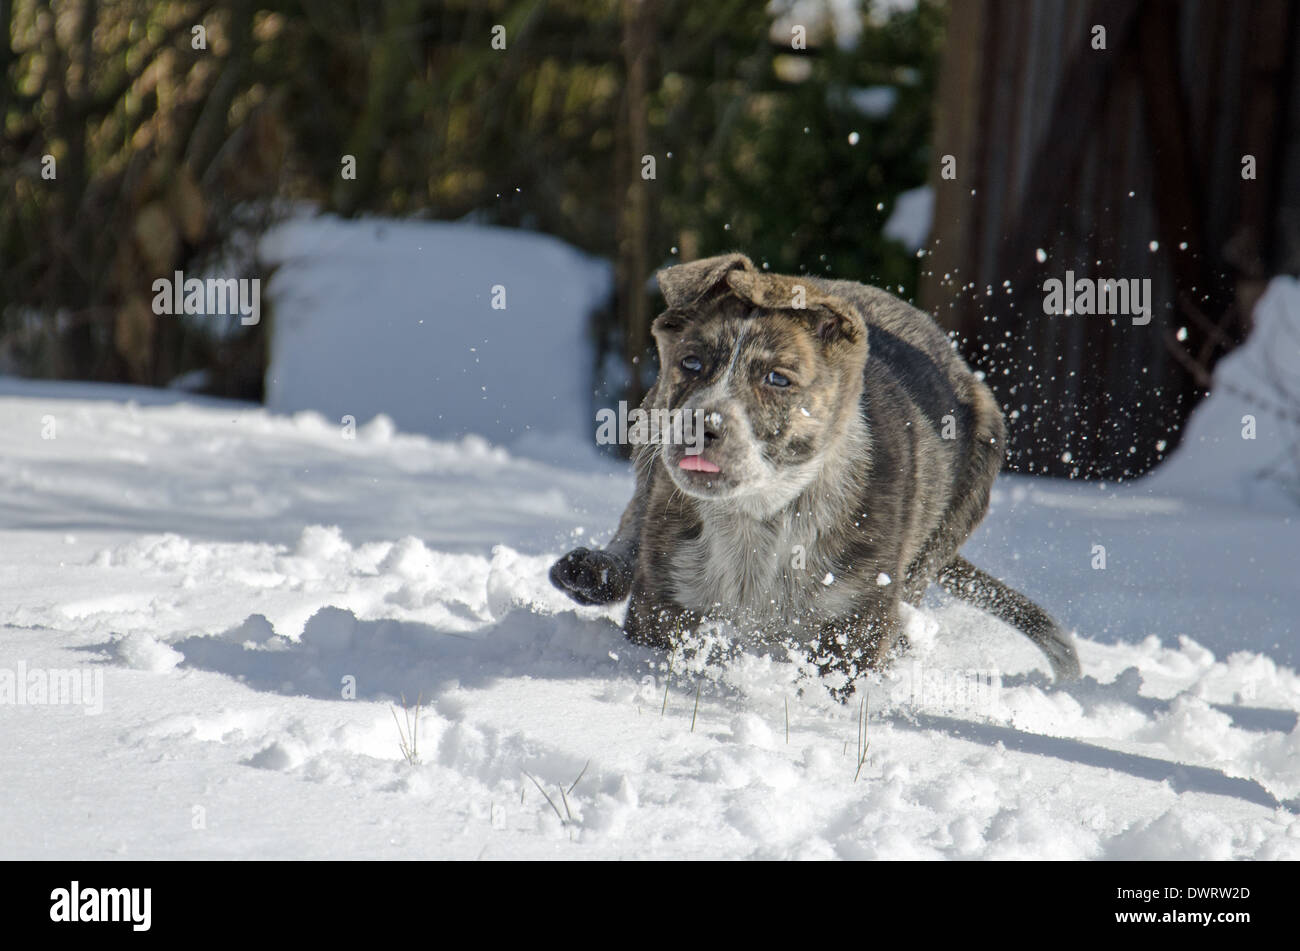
x: 837, y: 495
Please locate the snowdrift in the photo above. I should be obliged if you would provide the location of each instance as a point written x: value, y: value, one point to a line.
x: 261, y: 595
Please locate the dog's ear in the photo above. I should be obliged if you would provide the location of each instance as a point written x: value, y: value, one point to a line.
x: 684, y: 285
x: 833, y: 319
x: 836, y: 320
x: 770, y: 291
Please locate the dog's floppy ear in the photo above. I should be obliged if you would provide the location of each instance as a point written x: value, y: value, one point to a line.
x: 686, y: 284
x: 833, y: 319
x: 766, y: 290
x: 838, y: 320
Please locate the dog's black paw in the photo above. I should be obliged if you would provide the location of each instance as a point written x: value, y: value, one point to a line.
x: 840, y: 681
x: 592, y: 577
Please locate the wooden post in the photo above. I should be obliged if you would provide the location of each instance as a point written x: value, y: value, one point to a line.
x: 633, y: 266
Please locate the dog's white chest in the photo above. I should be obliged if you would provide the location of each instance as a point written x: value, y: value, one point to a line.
x: 770, y: 574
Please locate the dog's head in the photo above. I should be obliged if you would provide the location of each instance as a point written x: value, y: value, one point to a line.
x: 769, y: 366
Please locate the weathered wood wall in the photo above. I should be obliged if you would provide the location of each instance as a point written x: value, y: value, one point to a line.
x: 1123, y: 162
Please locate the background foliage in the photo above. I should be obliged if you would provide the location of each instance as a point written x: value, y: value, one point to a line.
x: 171, y: 157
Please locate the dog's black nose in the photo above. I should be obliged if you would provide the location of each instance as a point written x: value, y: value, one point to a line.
x: 714, y: 426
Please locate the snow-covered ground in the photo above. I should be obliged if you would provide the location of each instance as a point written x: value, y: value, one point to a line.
x: 246, y: 597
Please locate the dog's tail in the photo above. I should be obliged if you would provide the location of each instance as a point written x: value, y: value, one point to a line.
x: 963, y: 580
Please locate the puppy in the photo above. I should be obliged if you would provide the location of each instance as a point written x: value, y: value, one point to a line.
x: 847, y: 452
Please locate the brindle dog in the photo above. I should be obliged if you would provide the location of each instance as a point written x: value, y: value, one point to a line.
x: 848, y: 452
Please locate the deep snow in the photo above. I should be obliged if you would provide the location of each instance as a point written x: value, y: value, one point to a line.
x: 226, y: 570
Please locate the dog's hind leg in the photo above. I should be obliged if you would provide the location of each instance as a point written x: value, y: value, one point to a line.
x: 969, y: 501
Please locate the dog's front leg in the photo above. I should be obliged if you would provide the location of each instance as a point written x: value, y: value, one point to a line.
x: 604, y: 575
x: 653, y: 622
x: 850, y: 646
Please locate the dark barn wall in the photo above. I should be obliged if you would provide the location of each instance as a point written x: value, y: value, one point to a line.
x: 1050, y: 137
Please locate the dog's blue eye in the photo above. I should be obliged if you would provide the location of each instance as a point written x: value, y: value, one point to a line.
x: 692, y: 363
x: 776, y: 379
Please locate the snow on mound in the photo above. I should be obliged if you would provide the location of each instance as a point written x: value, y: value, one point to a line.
x: 405, y: 318
x: 1219, y: 457
x: 909, y: 223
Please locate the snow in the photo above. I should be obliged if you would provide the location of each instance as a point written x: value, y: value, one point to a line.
x: 909, y: 222
x: 1215, y: 462
x: 448, y: 329
x: 841, y: 18
x: 875, y: 102
x: 260, y: 592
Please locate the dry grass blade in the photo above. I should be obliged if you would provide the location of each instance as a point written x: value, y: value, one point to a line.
x: 698, y: 687
x: 414, y: 728
x: 667, y: 682
x: 580, y: 775
x: 864, y: 738
x: 861, y: 705
x: 401, y: 736
x: 548, y: 798
x: 408, y: 739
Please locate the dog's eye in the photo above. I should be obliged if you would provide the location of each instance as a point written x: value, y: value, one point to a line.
x: 692, y: 363
x: 776, y: 379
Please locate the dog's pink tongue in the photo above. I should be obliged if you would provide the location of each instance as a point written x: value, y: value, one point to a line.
x: 697, y: 464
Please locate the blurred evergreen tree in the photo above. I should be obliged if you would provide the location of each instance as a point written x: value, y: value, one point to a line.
x: 170, y: 150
